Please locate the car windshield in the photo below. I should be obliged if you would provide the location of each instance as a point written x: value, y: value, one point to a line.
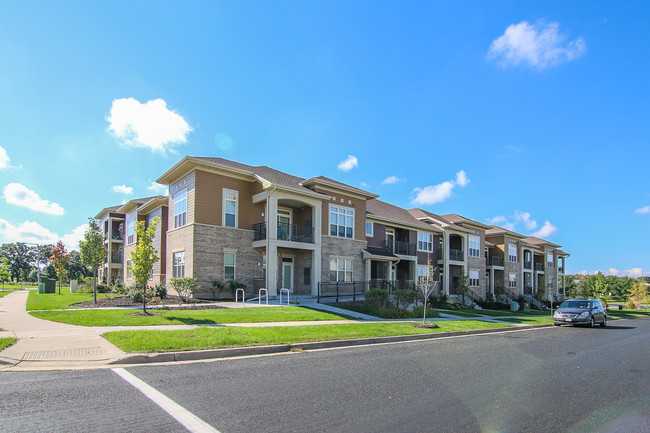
x: 575, y: 304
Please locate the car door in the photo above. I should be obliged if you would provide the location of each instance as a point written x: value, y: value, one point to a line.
x: 597, y: 312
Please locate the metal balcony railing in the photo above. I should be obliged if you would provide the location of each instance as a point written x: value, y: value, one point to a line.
x: 286, y: 232
x: 494, y: 261
x: 456, y: 255
x: 116, y: 257
x: 528, y: 264
x: 399, y: 247
x: 539, y: 266
x: 561, y: 269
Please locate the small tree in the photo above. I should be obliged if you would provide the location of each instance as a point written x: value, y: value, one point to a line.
x: 59, y: 258
x: 463, y: 284
x: 4, y: 271
x: 426, y: 286
x: 185, y: 287
x: 638, y: 295
x: 143, y: 258
x: 93, y: 250
x: 216, y: 287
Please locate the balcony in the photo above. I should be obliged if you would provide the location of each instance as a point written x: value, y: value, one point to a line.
x: 116, y: 257
x: 539, y: 267
x: 494, y: 261
x: 286, y: 232
x: 456, y: 255
x: 560, y: 269
x: 399, y: 247
x: 528, y: 264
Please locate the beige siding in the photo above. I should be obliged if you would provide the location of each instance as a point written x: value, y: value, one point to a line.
x: 187, y: 182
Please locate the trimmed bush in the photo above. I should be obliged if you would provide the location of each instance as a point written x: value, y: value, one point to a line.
x: 404, y: 298
x: 160, y: 291
x: 185, y: 287
x: 377, y: 297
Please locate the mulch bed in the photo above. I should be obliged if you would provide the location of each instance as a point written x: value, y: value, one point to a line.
x: 424, y: 325
x: 189, y: 304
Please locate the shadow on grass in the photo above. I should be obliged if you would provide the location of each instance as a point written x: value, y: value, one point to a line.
x: 191, y: 321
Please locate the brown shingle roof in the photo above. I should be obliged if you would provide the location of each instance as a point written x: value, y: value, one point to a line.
x: 386, y: 210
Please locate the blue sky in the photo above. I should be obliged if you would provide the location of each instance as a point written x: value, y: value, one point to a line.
x: 532, y: 115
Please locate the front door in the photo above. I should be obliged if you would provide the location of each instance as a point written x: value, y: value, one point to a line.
x: 287, y: 274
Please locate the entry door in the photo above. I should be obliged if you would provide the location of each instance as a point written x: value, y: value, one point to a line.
x: 287, y: 274
x: 390, y: 240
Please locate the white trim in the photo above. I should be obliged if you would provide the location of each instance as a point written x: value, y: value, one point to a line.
x: 329, y: 226
x: 430, y: 242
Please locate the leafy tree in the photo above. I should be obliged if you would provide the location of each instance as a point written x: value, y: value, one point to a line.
x: 571, y: 288
x: 463, y: 284
x: 20, y: 257
x: 638, y: 294
x: 59, y: 258
x: 41, y: 256
x: 93, y: 250
x: 4, y: 271
x: 75, y: 268
x: 143, y: 258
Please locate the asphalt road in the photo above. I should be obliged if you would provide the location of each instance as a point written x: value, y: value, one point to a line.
x: 545, y: 380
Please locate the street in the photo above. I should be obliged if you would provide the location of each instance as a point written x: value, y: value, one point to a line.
x: 549, y: 379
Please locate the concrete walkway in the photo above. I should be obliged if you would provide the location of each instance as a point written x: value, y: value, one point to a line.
x: 48, y: 345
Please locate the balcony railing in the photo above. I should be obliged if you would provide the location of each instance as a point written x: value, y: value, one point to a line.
x: 286, y: 232
x: 560, y: 269
x: 539, y: 266
x: 494, y: 261
x: 456, y: 255
x: 399, y: 247
x: 116, y: 257
x: 528, y: 264
x: 117, y: 235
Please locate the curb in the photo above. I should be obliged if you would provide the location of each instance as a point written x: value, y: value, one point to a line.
x: 193, y: 355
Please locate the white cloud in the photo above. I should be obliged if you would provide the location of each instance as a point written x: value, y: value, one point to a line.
x: 158, y: 188
x: 390, y: 180
x: 437, y: 193
x: 547, y: 229
x: 524, y: 217
x: 19, y: 195
x: 33, y: 232
x: 150, y: 125
x: 122, y: 189
x: 497, y: 219
x: 4, y: 158
x: 643, y: 210
x: 365, y: 185
x: 634, y: 272
x: 348, y: 164
x: 538, y: 45
x: 461, y: 178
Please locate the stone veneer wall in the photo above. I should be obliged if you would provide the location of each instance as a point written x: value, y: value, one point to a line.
x: 341, y: 247
x: 179, y: 239
x: 210, y: 243
x: 301, y: 259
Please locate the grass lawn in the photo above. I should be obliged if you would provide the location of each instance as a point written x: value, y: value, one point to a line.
x: 217, y: 338
x: 535, y: 320
x: 186, y: 317
x: 54, y: 301
x: 628, y: 313
x: 5, y: 293
x: 389, y: 313
x: 6, y: 342
x: 14, y: 286
x: 497, y: 313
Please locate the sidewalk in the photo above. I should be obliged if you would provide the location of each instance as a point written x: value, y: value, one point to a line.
x: 48, y: 345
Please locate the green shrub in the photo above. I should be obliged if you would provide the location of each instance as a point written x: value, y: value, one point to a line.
x: 404, y: 298
x: 377, y: 297
x: 160, y: 291
x: 234, y: 285
x: 216, y: 287
x: 136, y: 296
x: 185, y: 287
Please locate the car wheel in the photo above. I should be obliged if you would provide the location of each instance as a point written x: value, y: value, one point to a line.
x: 592, y: 323
x: 556, y: 324
x: 604, y: 321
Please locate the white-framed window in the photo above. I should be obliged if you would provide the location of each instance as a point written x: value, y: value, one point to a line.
x: 230, y: 206
x: 180, y: 208
x: 549, y: 260
x: 341, y: 270
x: 512, y: 253
x: 425, y: 242
x: 425, y: 273
x: 129, y: 272
x: 229, y: 266
x: 370, y: 228
x: 341, y: 222
x: 130, y: 230
x: 474, y: 246
x: 473, y: 279
x: 512, y: 280
x: 178, y: 264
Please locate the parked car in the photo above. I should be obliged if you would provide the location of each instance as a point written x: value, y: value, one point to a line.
x: 581, y: 311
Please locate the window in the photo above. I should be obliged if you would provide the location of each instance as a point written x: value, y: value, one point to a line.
x: 425, y: 242
x: 129, y: 273
x: 230, y: 199
x: 424, y: 274
x: 130, y: 230
x: 306, y: 277
x: 473, y: 279
x: 178, y: 265
x: 369, y: 229
x: 549, y: 260
x: 512, y: 281
x: 341, y: 270
x: 341, y: 222
x: 474, y: 246
x: 180, y: 208
x: 512, y: 253
x: 229, y: 266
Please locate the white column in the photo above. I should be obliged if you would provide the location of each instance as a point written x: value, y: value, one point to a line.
x: 368, y: 270
x: 315, y: 270
x: 272, y: 269
x: 318, y: 221
x: 492, y: 281
x: 445, y: 262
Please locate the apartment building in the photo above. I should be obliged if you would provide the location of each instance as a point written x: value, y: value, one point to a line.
x: 225, y: 220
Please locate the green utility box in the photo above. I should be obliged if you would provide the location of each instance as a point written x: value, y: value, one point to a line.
x: 50, y: 285
x: 41, y: 288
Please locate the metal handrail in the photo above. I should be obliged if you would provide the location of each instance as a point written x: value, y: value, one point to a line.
x: 284, y: 291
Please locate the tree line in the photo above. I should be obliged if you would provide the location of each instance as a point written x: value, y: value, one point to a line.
x: 602, y: 286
